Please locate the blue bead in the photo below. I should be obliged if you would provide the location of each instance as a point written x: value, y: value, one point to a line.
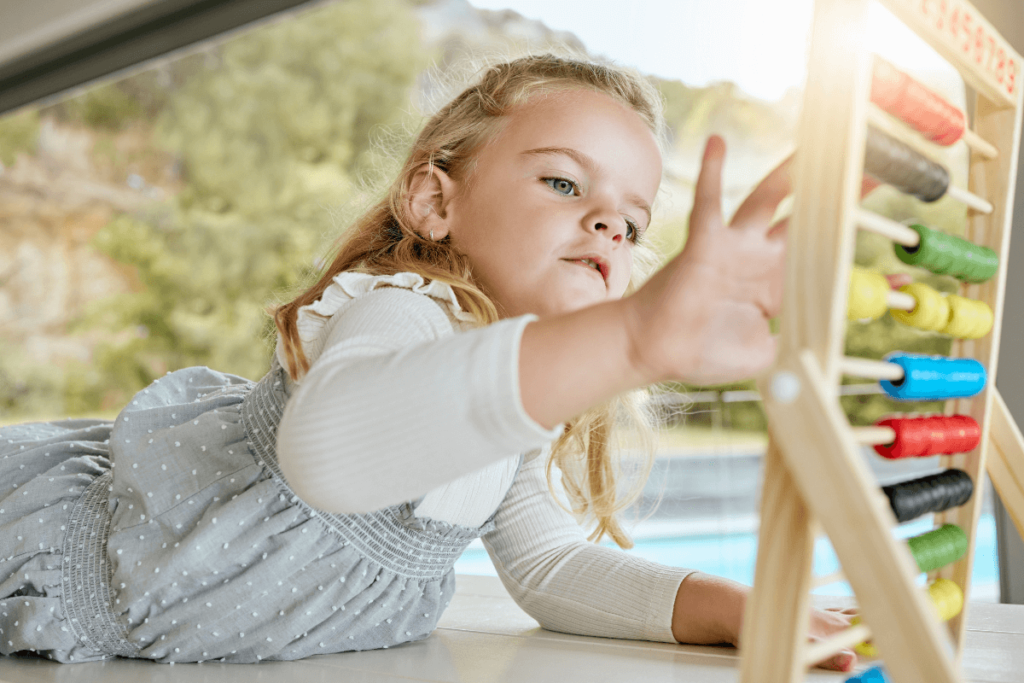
x: 928, y: 378
x: 875, y: 674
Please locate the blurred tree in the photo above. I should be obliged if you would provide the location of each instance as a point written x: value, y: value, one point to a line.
x: 19, y: 133
x: 691, y: 114
x: 269, y: 137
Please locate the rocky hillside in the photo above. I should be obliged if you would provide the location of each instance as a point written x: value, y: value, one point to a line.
x: 51, y: 205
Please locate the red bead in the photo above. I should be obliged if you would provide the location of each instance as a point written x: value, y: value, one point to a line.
x: 925, y: 110
x: 923, y: 436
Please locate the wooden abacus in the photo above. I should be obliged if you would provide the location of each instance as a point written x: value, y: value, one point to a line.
x: 862, y: 115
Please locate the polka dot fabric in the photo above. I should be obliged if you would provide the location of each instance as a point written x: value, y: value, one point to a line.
x: 170, y: 534
x: 45, y: 468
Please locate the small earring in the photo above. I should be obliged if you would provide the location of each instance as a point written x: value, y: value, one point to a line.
x: 431, y: 235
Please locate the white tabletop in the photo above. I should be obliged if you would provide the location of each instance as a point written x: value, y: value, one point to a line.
x: 485, y: 638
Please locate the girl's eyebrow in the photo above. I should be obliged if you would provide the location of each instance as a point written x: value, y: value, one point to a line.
x: 588, y: 163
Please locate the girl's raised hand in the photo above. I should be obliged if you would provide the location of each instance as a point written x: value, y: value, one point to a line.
x: 703, y: 318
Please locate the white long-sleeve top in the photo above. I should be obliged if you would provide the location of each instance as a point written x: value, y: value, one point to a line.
x: 404, y: 400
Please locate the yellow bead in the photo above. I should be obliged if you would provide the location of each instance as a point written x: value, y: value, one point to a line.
x: 868, y: 292
x: 866, y: 648
x: 968, y: 318
x: 947, y: 598
x: 931, y: 311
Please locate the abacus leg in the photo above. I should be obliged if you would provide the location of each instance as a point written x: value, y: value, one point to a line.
x: 775, y: 621
x: 1005, y: 462
x: 839, y: 489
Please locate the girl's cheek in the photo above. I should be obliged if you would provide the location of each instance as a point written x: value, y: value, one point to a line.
x: 626, y: 274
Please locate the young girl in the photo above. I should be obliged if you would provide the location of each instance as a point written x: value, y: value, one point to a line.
x: 473, y: 332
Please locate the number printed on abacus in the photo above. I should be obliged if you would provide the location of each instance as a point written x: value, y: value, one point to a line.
x: 973, y: 38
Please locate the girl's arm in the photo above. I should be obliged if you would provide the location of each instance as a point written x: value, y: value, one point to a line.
x: 570, y: 585
x: 398, y: 404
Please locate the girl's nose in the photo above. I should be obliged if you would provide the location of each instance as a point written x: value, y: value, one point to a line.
x: 616, y: 232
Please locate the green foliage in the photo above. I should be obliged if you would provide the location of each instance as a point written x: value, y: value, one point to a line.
x: 680, y: 100
x: 136, y: 99
x: 25, y: 387
x: 270, y: 137
x: 290, y: 110
x: 19, y: 133
x: 692, y: 113
x: 204, y: 280
x: 108, y: 107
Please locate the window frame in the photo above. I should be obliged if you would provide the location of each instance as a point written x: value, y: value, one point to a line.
x: 121, y: 42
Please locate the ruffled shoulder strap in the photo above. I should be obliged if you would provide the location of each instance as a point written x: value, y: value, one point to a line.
x: 349, y: 285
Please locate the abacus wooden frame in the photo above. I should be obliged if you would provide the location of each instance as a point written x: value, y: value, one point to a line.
x: 814, y: 473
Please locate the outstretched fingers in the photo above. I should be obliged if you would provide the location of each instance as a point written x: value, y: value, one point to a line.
x: 707, y: 196
x: 761, y: 204
x: 759, y: 207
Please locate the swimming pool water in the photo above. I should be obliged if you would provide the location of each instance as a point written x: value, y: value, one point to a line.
x: 733, y: 556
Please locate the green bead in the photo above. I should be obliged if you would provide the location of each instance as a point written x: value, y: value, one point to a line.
x: 983, y: 264
x: 938, y: 547
x: 949, y: 255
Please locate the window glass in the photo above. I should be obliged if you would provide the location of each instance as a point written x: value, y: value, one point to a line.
x: 146, y: 222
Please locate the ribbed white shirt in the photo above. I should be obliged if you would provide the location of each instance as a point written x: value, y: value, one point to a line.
x: 404, y: 401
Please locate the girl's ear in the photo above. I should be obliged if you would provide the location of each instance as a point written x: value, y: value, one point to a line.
x: 428, y: 202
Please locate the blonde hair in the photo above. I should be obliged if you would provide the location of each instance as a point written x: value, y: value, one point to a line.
x: 382, y: 242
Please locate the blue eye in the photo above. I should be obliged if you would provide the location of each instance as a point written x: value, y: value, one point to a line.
x: 562, y: 186
x: 634, y: 231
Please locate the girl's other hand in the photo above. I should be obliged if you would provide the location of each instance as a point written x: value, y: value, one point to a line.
x: 709, y: 611
x: 703, y: 318
x: 826, y: 623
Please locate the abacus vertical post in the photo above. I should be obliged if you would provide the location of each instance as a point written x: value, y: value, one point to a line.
x: 814, y: 468
x: 1001, y: 125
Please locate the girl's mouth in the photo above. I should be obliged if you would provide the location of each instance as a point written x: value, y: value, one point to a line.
x: 592, y: 264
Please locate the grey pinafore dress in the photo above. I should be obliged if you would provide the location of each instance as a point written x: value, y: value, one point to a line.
x: 170, y: 534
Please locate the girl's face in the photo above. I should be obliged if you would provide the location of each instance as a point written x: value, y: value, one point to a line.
x: 556, y: 203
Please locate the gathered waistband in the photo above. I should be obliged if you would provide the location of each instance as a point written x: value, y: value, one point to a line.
x: 86, y: 574
x: 392, y: 537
